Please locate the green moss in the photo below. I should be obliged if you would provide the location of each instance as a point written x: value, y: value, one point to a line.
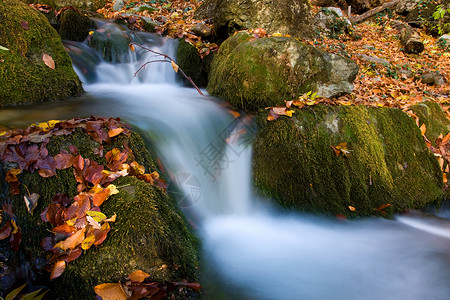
x: 74, y: 26
x: 25, y: 77
x: 150, y: 233
x: 433, y: 116
x: 253, y: 74
x: 388, y: 161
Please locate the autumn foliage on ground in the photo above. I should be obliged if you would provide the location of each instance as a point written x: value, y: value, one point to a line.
x: 77, y: 223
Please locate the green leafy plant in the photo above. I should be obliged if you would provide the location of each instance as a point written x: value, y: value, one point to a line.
x: 439, y: 15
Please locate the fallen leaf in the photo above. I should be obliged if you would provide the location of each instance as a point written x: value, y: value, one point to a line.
x: 11, y: 175
x: 138, y: 276
x: 31, y: 202
x: 24, y: 24
x: 5, y: 231
x: 72, y: 241
x: 383, y: 206
x: 58, y: 269
x: 4, y: 48
x: 48, y: 61
x: 115, y: 131
x: 88, y: 242
x: 351, y: 208
x: 423, y: 128
x: 111, y: 291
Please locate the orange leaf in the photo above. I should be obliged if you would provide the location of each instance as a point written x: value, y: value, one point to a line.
x: 58, y: 269
x: 11, y: 176
x: 111, y: 291
x: 174, y: 66
x: 383, y: 206
x: 423, y: 128
x: 138, y: 276
x: 48, y: 60
x: 114, y: 132
x: 446, y: 139
x: 351, y: 208
x: 72, y: 241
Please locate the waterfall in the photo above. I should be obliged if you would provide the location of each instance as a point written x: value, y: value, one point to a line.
x: 251, y: 249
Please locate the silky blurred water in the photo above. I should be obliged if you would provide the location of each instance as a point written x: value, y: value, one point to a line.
x: 251, y: 249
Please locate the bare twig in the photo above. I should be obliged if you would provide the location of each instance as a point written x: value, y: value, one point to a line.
x: 167, y: 59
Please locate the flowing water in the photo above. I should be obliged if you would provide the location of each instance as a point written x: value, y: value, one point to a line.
x: 251, y: 249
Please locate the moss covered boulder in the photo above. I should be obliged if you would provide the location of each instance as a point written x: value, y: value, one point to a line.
x: 286, y: 17
x: 192, y: 64
x: 433, y: 116
x: 148, y: 234
x: 256, y: 73
x: 384, y: 167
x: 74, y: 26
x: 30, y: 46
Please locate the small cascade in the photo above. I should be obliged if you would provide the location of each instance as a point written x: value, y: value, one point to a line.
x: 255, y: 251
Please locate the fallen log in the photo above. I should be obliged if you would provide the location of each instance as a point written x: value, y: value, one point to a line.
x: 411, y: 41
x: 361, y: 18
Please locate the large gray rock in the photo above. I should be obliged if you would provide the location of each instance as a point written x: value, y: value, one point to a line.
x: 331, y: 21
x: 256, y: 73
x: 286, y: 17
x: 387, y: 166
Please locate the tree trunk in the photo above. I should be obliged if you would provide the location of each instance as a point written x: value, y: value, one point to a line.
x: 411, y: 41
x: 372, y: 12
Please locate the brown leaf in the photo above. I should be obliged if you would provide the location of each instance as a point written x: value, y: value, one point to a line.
x: 111, y: 291
x: 24, y: 24
x: 5, y: 231
x: 73, y: 254
x: 383, y: 206
x: 48, y: 61
x: 11, y: 175
x: 64, y: 229
x: 138, y: 276
x: 58, y: 269
x: 64, y: 160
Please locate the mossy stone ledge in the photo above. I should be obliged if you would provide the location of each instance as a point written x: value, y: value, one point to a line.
x: 25, y: 78
x: 149, y: 234
x: 388, y: 161
x: 256, y: 73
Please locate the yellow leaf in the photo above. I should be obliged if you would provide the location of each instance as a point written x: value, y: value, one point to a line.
x: 2, y: 133
x: 15, y: 228
x: 276, y: 34
x: 132, y: 47
x: 71, y: 222
x: 174, y: 66
x: 91, y: 32
x: 112, y: 189
x: 289, y: 113
x: 48, y: 124
x: 351, y: 208
x: 88, y: 242
x: 111, y: 291
x: 311, y: 103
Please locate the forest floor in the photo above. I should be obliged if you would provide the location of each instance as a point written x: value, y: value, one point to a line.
x: 396, y: 84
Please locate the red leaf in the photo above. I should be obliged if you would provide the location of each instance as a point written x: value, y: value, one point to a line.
x: 58, y: 269
x: 64, y: 229
x: 14, y: 188
x: 73, y: 254
x: 73, y: 149
x: 79, y: 163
